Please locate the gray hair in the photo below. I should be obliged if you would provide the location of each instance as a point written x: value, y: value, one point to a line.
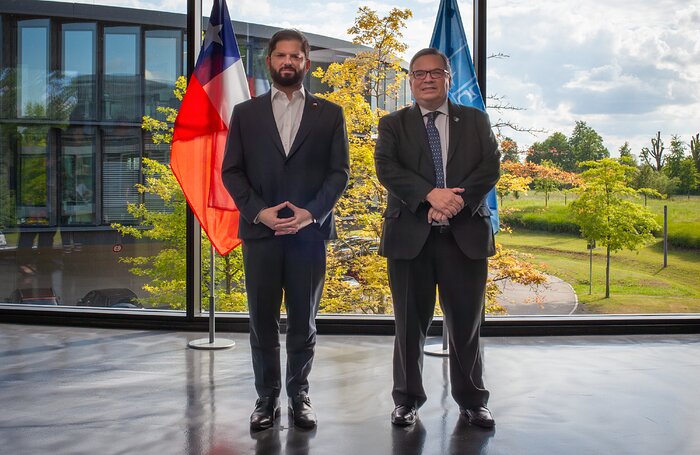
x: 431, y: 51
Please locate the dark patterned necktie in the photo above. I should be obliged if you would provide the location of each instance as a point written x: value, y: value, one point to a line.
x: 435, y: 149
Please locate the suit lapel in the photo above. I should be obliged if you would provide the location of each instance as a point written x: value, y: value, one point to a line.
x: 417, y: 132
x: 456, y: 124
x: 269, y: 116
x: 312, y: 110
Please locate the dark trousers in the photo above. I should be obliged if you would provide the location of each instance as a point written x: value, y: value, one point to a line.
x: 461, y: 283
x: 276, y: 268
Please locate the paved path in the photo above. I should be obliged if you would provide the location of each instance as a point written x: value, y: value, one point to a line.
x: 556, y: 297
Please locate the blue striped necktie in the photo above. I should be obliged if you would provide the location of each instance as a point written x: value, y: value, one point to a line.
x: 435, y: 148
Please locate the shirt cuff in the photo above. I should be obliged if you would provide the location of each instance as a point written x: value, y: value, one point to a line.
x: 256, y: 220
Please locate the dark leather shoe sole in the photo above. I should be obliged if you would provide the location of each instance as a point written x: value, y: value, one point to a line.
x: 264, y: 425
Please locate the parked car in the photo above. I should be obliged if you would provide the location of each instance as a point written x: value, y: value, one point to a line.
x: 34, y: 296
x: 3, y: 240
x: 111, y: 298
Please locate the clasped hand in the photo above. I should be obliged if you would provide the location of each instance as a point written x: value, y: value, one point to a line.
x: 285, y: 226
x: 444, y: 203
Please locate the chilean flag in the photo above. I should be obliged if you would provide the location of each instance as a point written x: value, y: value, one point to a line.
x: 217, y: 84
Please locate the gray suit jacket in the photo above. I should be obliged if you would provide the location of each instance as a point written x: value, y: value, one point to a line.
x: 405, y: 168
x: 313, y: 176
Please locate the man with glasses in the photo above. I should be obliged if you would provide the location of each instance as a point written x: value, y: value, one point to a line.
x: 438, y: 161
x: 286, y: 166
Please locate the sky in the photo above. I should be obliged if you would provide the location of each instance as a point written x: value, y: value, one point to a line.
x: 628, y: 68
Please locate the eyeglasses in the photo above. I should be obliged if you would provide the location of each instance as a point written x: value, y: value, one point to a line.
x: 437, y: 73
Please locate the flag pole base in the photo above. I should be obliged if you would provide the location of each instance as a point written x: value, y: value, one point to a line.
x: 205, y: 344
x: 436, y: 350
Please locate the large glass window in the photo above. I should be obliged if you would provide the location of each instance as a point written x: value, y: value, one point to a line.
x: 33, y: 66
x: 78, y: 176
x: 584, y: 89
x: 34, y: 176
x: 78, y: 63
x: 121, y: 167
x: 162, y: 66
x: 122, y: 84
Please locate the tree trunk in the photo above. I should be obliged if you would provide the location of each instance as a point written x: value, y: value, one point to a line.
x: 607, y: 273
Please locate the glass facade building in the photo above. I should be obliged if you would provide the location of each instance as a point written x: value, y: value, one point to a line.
x: 75, y: 83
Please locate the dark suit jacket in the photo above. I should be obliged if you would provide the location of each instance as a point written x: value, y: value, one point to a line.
x: 405, y: 168
x: 313, y: 176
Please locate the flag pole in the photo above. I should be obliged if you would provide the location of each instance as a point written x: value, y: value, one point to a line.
x: 439, y: 350
x: 211, y: 342
x: 468, y: 87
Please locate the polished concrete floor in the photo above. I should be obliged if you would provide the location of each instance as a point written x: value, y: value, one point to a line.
x: 94, y: 391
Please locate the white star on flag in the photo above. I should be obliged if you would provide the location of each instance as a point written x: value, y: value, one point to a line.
x: 212, y: 35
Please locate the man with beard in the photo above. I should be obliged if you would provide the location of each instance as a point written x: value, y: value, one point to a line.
x: 286, y: 166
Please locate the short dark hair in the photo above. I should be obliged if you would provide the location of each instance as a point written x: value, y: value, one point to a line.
x: 288, y: 34
x: 431, y: 51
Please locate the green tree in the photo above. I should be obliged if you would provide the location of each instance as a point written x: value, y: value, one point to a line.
x: 555, y: 148
x: 166, y: 268
x: 626, y: 155
x: 688, y: 177
x: 695, y: 150
x: 586, y: 145
x: 649, y: 192
x: 605, y: 214
x: 648, y: 177
x: 676, y: 154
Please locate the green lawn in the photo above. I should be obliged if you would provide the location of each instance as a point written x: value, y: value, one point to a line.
x: 683, y: 216
x: 638, y: 281
x: 681, y: 209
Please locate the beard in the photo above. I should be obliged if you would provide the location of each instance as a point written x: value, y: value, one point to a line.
x: 288, y: 80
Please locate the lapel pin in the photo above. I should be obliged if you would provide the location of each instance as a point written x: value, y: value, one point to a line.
x: 456, y: 119
x: 314, y: 104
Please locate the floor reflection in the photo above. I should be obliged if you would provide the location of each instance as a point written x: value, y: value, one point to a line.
x: 408, y: 440
x: 467, y: 439
x: 87, y: 390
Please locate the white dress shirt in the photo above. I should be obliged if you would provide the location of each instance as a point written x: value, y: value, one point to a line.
x: 287, y: 114
x: 443, y: 126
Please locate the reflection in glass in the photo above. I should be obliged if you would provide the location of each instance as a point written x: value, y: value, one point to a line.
x: 8, y: 180
x: 121, y: 75
x: 33, y: 67
x: 162, y: 62
x: 78, y: 176
x: 121, y: 165
x: 78, y: 65
x: 33, y: 176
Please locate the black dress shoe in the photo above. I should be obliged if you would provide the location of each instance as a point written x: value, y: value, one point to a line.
x: 404, y: 416
x: 267, y: 409
x: 480, y: 417
x: 302, y: 412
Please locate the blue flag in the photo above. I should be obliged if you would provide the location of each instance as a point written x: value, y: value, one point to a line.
x: 449, y: 37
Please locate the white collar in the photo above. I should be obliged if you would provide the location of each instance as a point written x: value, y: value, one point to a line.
x: 301, y: 92
x: 442, y: 109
